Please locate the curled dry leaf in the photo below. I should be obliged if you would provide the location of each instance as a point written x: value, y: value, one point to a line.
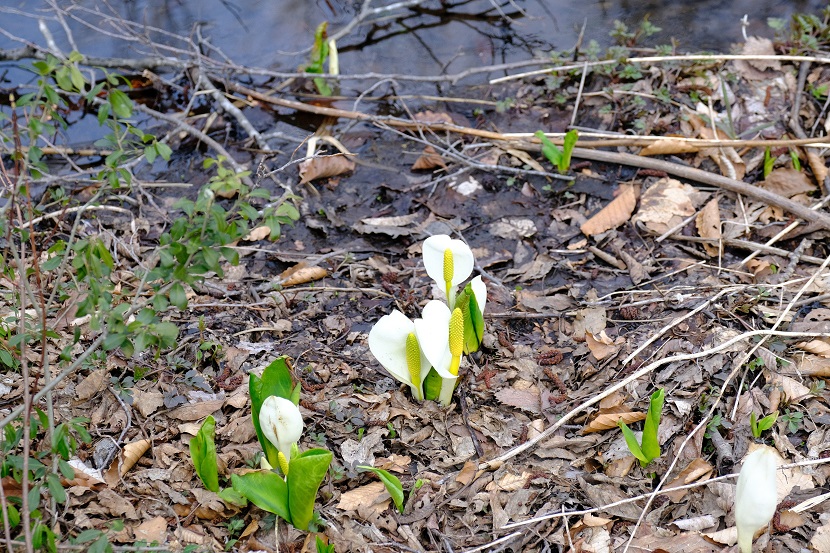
x: 323, y: 167
x: 818, y: 347
x: 429, y: 159
x: 698, y: 470
x: 668, y: 147
x: 606, y: 419
x: 601, y: 345
x: 126, y: 460
x: 300, y: 274
x: 708, y: 226
x: 429, y: 116
x: 259, y: 233
x: 95, y: 382
x: 615, y: 213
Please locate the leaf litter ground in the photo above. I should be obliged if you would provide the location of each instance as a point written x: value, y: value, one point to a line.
x: 600, y: 291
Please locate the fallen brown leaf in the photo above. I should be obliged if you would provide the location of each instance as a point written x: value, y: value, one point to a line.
x: 615, y: 213
x: 708, y: 226
x: 429, y: 159
x: 606, y: 419
x: 668, y: 147
x: 368, y: 500
x: 323, y: 167
x: 787, y: 182
x: 95, y: 382
x: 698, y: 470
x: 818, y: 346
x: 301, y: 274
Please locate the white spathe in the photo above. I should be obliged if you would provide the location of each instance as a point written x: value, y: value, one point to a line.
x: 281, y: 423
x: 387, y: 342
x: 480, y: 292
x: 433, y: 332
x: 462, y: 260
x: 756, y: 497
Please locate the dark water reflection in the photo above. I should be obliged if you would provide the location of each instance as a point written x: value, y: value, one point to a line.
x: 437, y: 37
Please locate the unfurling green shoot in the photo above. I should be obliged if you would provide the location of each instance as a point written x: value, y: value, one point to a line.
x: 649, y: 448
x: 560, y: 158
x: 759, y: 426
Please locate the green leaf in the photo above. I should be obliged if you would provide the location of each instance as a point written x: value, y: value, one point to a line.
x: 150, y: 153
x: 473, y: 319
x: 203, y: 454
x: 651, y: 445
x: 549, y: 149
x: 769, y: 162
x: 631, y: 442
x: 178, y: 296
x: 14, y: 516
x: 122, y: 106
x: 323, y: 547
x: 305, y: 474
x: 392, y: 483
x: 230, y: 495
x: 432, y: 385
x: 567, y: 149
x: 56, y: 488
x: 163, y: 150
x: 265, y: 489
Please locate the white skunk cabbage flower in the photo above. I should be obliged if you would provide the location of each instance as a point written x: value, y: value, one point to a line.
x: 756, y: 497
x: 448, y: 262
x: 441, y: 335
x: 281, y: 423
x: 394, y: 344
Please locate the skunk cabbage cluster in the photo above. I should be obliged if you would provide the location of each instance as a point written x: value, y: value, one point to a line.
x: 425, y: 354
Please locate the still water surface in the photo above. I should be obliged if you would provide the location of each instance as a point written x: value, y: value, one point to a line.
x: 438, y: 37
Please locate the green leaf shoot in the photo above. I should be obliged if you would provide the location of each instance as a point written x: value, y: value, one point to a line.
x: 203, y: 454
x: 392, y: 483
x: 305, y: 474
x: 265, y: 489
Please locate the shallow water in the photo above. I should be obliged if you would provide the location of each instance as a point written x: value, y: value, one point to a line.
x: 441, y: 37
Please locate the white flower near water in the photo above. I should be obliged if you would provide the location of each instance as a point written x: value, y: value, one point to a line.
x: 441, y: 335
x: 756, y: 497
x: 448, y: 262
x: 394, y: 344
x: 281, y: 423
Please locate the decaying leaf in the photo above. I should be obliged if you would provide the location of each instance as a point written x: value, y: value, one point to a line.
x: 301, y: 274
x: 601, y: 345
x: 513, y: 228
x: 668, y: 147
x: 708, y: 226
x: 323, y: 167
x: 698, y: 470
x: 373, y: 496
x: 95, y: 382
x: 787, y: 182
x: 125, y: 460
x: 429, y: 159
x: 398, y: 225
x: 666, y: 204
x: 259, y: 233
x: 818, y: 346
x: 606, y: 419
x: 615, y: 213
